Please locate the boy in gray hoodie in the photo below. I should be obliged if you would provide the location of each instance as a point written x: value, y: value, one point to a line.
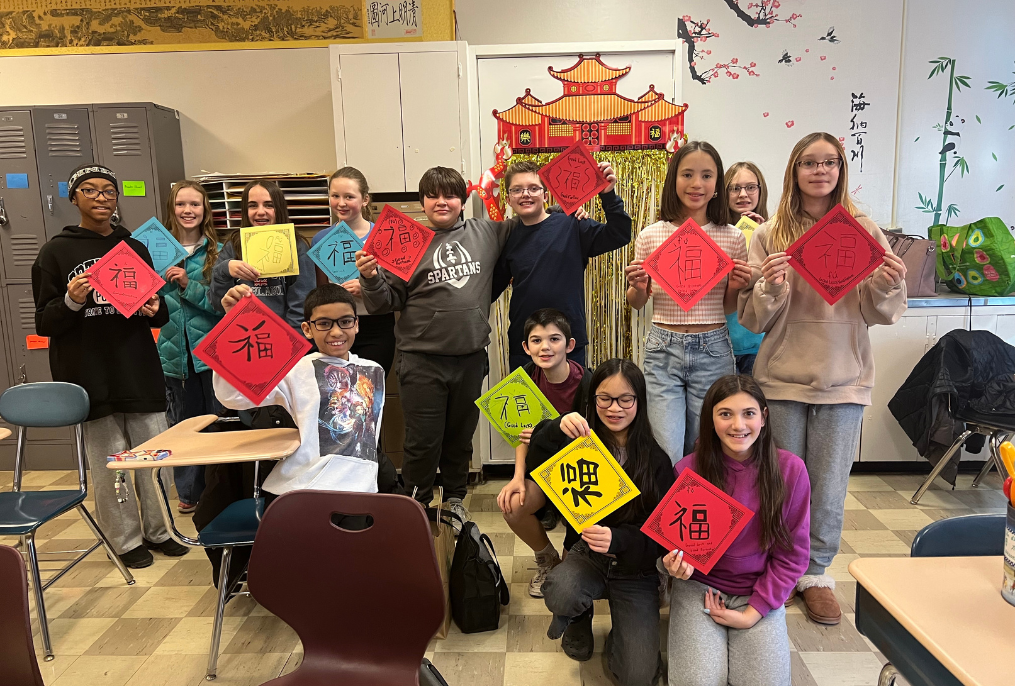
x: 442, y: 334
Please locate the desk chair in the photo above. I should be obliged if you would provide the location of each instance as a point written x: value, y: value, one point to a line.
x: 974, y: 535
x: 997, y: 429
x: 235, y: 526
x: 355, y: 575
x: 51, y: 404
x: 17, y: 655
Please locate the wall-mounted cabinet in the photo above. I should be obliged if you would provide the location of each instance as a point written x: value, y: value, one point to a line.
x: 399, y: 110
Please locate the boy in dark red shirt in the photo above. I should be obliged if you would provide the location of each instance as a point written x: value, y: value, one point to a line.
x: 565, y: 383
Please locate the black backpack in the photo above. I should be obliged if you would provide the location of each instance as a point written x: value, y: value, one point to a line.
x: 478, y: 587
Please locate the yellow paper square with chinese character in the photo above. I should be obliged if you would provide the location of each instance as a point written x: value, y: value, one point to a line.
x: 585, y: 482
x: 271, y: 249
x: 747, y: 226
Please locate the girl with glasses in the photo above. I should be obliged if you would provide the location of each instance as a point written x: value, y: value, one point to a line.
x: 815, y: 363
x: 612, y: 559
x: 748, y: 197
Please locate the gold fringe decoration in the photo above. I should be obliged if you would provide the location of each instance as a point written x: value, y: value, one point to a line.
x: 614, y: 329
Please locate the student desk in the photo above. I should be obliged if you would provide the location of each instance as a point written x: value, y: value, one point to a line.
x: 4, y: 433
x: 191, y: 447
x: 939, y: 620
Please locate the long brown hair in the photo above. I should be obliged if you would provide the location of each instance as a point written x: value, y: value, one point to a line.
x: 354, y: 174
x: 709, y: 457
x: 207, y: 224
x: 789, y: 222
x: 277, y: 201
x: 731, y: 175
x: 671, y: 209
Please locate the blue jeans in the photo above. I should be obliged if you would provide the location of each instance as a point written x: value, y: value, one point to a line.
x: 679, y: 369
x: 585, y: 576
x: 186, y: 398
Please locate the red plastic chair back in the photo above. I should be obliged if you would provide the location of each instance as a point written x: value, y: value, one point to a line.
x: 364, y: 601
x: 17, y: 654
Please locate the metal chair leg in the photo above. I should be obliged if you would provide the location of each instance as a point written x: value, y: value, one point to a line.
x: 40, y: 603
x: 97, y: 532
x: 983, y: 472
x: 216, y: 632
x: 888, y: 675
x: 939, y: 467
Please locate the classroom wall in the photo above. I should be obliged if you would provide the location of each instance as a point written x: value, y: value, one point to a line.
x: 240, y: 110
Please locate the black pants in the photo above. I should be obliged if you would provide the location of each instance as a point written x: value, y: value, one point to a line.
x: 376, y: 339
x: 438, y: 394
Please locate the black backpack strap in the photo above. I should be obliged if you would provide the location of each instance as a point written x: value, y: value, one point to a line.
x: 446, y: 516
x: 498, y: 573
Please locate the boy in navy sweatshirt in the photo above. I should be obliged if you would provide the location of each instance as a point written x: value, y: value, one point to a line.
x: 442, y: 336
x: 547, y: 253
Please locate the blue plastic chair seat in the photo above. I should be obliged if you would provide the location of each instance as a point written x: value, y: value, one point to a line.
x: 25, y: 511
x: 235, y: 525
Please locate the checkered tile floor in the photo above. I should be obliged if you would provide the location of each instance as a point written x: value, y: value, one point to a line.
x: 156, y: 632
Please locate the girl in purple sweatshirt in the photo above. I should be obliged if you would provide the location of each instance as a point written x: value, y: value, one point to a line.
x: 729, y: 626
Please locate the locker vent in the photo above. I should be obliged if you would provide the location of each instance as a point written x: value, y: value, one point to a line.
x: 63, y: 140
x: 12, y: 143
x: 26, y: 313
x: 24, y: 248
x: 126, y: 139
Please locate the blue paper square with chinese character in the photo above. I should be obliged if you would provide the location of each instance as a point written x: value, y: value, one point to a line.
x: 335, y: 254
x: 163, y: 247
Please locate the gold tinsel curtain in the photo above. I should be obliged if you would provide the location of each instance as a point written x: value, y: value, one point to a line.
x: 613, y: 328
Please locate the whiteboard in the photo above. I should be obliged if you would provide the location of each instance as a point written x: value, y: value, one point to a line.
x: 811, y: 88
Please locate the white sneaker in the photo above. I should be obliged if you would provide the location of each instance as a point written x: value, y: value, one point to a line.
x: 543, y: 568
x: 456, y: 506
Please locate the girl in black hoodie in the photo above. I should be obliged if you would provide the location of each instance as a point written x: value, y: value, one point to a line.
x: 114, y: 358
x: 613, y: 558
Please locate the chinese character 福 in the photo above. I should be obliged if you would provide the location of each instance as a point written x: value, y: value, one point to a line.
x: 586, y: 473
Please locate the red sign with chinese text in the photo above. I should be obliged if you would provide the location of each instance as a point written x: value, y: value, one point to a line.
x: 688, y: 264
x: 252, y: 348
x: 124, y: 279
x: 835, y: 254
x: 573, y: 177
x: 398, y: 242
x: 698, y: 518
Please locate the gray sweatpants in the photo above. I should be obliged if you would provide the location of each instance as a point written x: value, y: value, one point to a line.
x: 703, y: 653
x: 120, y: 521
x: 825, y: 437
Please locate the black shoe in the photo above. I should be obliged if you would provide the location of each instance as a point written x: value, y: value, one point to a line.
x: 168, y: 547
x: 550, y: 519
x: 138, y: 558
x: 578, y: 642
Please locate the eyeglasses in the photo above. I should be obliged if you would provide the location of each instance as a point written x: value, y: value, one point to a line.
x: 626, y: 401
x: 344, y: 323
x: 812, y: 165
x: 750, y: 188
x: 531, y: 190
x: 93, y: 193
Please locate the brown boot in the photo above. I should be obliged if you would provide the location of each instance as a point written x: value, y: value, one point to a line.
x: 790, y: 599
x: 822, y: 607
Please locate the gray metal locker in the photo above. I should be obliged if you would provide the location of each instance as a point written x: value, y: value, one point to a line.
x: 21, y: 225
x: 141, y: 143
x: 5, y: 374
x: 63, y: 141
x: 30, y: 365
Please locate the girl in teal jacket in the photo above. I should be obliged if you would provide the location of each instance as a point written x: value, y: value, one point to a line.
x: 191, y: 316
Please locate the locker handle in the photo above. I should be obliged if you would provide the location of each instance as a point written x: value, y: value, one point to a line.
x: 49, y: 201
x: 3, y: 214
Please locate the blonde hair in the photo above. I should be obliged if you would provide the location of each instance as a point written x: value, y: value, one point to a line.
x: 789, y: 222
x: 731, y: 175
x: 207, y: 225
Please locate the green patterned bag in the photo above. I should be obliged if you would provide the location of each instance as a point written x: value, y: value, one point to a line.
x: 976, y: 259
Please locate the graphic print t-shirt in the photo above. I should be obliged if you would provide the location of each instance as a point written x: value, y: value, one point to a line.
x: 352, y: 397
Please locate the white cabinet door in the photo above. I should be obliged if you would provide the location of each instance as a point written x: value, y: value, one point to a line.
x: 431, y: 125
x: 897, y: 349
x: 1006, y: 328
x: 371, y: 113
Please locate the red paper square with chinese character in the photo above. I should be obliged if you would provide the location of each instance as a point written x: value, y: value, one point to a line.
x: 835, y: 255
x: 398, y: 242
x: 252, y: 348
x: 124, y: 279
x: 698, y: 518
x: 688, y: 264
x: 573, y: 177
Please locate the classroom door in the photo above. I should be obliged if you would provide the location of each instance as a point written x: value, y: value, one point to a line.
x: 123, y: 143
x: 63, y: 141
x: 21, y: 227
x: 431, y: 120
